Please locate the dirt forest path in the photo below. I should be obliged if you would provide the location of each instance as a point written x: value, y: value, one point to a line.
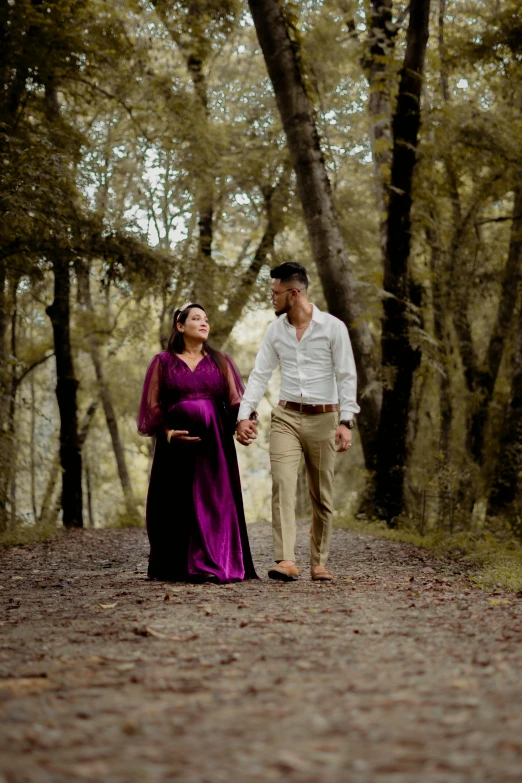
x: 399, y: 671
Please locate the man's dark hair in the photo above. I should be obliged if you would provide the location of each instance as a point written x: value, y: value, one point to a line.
x: 290, y: 272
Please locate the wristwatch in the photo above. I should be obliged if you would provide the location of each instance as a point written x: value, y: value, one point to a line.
x: 348, y: 423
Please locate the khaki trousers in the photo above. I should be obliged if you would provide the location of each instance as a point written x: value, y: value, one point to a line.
x: 292, y: 434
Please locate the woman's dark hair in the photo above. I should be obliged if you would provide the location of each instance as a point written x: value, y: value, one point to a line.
x: 290, y: 272
x: 176, y: 343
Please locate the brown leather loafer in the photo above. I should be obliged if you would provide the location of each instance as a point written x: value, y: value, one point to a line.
x: 283, y: 573
x: 321, y: 574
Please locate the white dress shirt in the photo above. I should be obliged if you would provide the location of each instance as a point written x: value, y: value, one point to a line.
x: 319, y: 368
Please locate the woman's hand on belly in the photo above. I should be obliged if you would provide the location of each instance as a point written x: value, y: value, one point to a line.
x: 181, y: 435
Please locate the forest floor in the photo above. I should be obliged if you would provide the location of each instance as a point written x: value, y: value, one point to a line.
x: 401, y: 671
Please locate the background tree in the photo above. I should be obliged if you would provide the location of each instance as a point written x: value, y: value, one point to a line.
x: 151, y: 152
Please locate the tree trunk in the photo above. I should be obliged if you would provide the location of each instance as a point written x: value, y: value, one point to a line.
x: 275, y: 199
x: 204, y: 288
x: 47, y: 502
x: 399, y: 358
x: 244, y: 288
x: 46, y: 511
x: 284, y: 68
x: 380, y: 44
x: 195, y: 58
x: 507, y: 484
x: 4, y: 380
x: 485, y: 380
x: 195, y: 47
x: 66, y: 394
x: 88, y: 487
x: 444, y: 82
x: 112, y: 425
x: 13, y: 80
x: 106, y: 398
x: 439, y: 284
x: 441, y: 297
x: 12, y: 472
x: 33, y: 449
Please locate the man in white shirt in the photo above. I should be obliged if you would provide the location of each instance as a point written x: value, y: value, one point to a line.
x: 318, y: 380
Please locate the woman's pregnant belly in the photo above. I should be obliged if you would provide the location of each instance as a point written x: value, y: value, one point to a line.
x: 196, y: 416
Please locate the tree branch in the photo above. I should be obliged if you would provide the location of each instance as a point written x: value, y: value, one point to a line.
x: 32, y: 367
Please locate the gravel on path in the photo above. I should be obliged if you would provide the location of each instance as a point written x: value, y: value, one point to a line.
x: 398, y: 672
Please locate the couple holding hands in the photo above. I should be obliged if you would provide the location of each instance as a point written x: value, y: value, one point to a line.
x: 194, y: 400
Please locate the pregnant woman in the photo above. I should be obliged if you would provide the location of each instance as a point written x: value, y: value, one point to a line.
x: 195, y: 518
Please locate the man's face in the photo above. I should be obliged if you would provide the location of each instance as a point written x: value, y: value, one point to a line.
x: 281, y: 296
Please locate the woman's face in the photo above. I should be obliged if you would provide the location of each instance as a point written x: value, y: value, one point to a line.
x: 196, y: 326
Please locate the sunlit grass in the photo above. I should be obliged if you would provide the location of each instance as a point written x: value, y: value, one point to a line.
x: 495, y: 563
x: 28, y: 534
x: 125, y: 520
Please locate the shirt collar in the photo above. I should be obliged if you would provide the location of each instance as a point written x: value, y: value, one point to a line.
x: 317, y: 316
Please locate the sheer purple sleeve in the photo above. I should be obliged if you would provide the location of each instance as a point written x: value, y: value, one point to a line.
x: 150, y: 416
x: 235, y: 388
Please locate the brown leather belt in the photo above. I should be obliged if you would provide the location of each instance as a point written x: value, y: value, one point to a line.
x: 302, y: 407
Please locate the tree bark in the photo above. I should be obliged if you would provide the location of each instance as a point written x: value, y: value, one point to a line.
x: 33, y: 448
x: 439, y: 285
x: 4, y: 381
x: 46, y: 510
x: 88, y: 487
x: 485, y: 379
x: 507, y: 485
x: 440, y: 298
x: 66, y: 394
x: 380, y: 44
x: 12, y: 471
x: 399, y: 358
x: 444, y: 82
x: 47, y: 501
x: 338, y: 281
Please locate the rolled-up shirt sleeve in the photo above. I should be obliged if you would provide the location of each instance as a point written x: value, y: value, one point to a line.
x: 265, y: 364
x: 345, y: 371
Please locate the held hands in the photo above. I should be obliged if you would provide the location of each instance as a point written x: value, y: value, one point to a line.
x: 180, y: 435
x: 343, y: 438
x: 246, y: 432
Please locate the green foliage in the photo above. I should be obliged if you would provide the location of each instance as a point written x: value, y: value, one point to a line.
x: 28, y: 534
x: 116, y: 119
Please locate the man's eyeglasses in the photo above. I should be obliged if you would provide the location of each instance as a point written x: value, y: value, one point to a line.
x: 275, y: 294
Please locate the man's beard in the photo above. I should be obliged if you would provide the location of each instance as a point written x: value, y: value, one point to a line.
x: 283, y: 310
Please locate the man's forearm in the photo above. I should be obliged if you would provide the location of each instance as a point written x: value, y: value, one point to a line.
x: 251, y: 398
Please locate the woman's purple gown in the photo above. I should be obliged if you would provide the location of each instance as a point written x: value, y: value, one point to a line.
x: 195, y: 517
